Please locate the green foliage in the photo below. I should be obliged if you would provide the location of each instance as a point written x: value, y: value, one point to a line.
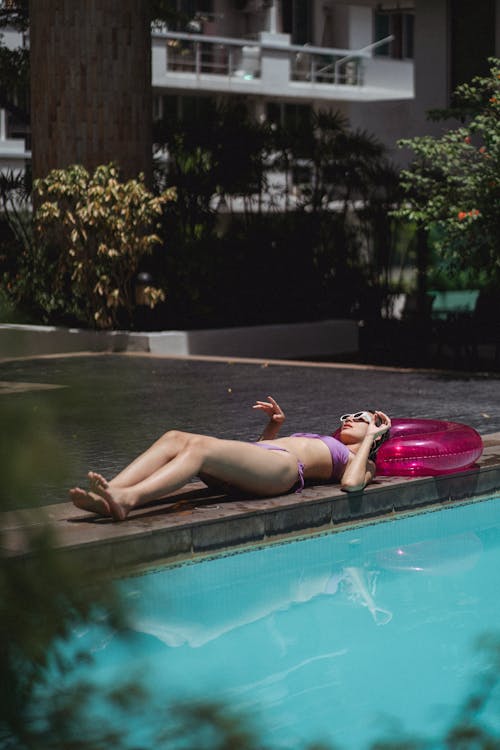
x: 349, y: 189
x: 452, y: 188
x: 210, y: 726
x: 91, y: 233
x: 15, y: 14
x: 41, y: 598
x: 14, y: 63
x: 216, y: 153
x: 440, y: 278
x: 15, y: 201
x: 332, y: 230
x: 14, y: 80
x: 16, y: 236
x: 166, y: 12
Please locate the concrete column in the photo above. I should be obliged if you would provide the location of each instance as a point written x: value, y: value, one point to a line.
x: 431, y: 55
x: 275, y: 19
x: 159, y: 58
x: 275, y: 63
x: 3, y: 125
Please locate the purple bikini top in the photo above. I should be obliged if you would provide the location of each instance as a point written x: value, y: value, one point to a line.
x: 338, y: 451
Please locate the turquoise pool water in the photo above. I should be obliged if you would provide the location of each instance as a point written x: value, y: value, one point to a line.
x: 343, y: 637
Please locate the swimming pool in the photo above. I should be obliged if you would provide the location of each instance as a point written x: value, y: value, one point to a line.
x: 342, y: 637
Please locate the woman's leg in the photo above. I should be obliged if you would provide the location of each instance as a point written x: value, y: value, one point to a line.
x: 242, y: 465
x: 145, y: 465
x: 161, y: 452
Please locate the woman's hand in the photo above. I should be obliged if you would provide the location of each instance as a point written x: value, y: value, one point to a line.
x: 360, y: 469
x: 272, y: 409
x: 275, y: 414
x: 379, y: 424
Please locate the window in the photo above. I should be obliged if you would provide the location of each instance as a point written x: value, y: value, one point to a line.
x: 472, y: 39
x: 298, y: 20
x: 187, y: 108
x: 289, y: 115
x: 398, y: 24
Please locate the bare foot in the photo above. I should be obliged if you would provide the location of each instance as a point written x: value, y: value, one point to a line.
x: 97, y: 482
x: 89, y: 501
x: 103, y: 502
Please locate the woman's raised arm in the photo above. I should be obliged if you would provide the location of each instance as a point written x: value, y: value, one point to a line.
x: 361, y: 470
x: 276, y: 417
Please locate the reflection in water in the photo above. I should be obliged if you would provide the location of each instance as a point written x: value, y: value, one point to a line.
x: 291, y: 633
x: 188, y: 618
x: 361, y: 586
x: 183, y: 619
x: 443, y: 556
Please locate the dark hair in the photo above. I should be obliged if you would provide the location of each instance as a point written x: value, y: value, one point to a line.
x: 379, y: 441
x: 376, y: 445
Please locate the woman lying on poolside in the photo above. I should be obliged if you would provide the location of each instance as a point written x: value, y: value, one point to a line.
x: 272, y: 466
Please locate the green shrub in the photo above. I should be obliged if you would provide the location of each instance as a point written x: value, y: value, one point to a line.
x: 452, y: 188
x: 91, y: 233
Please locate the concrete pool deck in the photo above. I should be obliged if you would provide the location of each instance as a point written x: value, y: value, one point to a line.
x: 199, y: 522
x: 108, y: 407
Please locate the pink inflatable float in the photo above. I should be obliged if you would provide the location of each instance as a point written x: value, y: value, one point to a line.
x: 428, y: 447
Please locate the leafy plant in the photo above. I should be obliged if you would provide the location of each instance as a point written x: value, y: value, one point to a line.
x: 349, y: 189
x: 215, y: 154
x: 14, y: 63
x: 42, y: 598
x: 16, y: 235
x: 15, y: 201
x: 92, y: 232
x: 331, y: 228
x: 452, y: 188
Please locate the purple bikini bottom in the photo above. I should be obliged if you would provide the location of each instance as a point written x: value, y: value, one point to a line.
x: 338, y: 451
x: 299, y: 485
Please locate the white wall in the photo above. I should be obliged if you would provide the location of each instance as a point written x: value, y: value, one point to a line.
x: 432, y: 55
x: 390, y: 121
x: 360, y: 27
x: 315, y: 339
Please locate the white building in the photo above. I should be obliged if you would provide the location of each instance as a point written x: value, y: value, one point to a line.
x: 383, y: 64
x: 288, y: 54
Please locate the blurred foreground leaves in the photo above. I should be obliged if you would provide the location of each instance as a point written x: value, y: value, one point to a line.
x: 30, y: 453
x: 44, y: 602
x: 42, y: 598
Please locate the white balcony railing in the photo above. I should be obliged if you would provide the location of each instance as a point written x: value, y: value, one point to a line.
x: 273, y: 66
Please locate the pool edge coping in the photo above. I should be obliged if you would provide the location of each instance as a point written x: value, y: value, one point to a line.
x: 198, y: 523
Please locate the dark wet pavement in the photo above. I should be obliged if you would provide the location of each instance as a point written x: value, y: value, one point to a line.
x: 111, y: 407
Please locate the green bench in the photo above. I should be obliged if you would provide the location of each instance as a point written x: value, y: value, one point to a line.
x: 455, y: 304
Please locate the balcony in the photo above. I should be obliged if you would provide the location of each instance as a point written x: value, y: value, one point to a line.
x: 271, y: 66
